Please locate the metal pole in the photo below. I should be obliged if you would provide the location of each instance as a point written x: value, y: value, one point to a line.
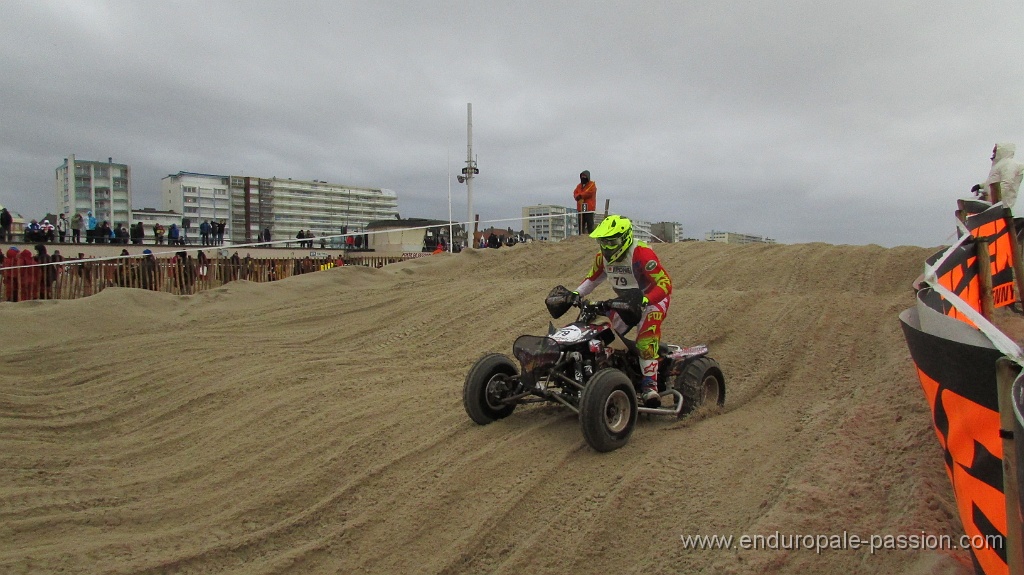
x: 469, y: 169
x: 451, y: 228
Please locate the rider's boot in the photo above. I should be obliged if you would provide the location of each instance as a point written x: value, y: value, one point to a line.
x: 649, y: 393
x: 649, y: 387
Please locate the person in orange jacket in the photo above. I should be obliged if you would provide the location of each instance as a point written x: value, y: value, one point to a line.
x: 586, y: 202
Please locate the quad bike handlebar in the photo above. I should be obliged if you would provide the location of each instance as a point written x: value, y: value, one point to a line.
x: 561, y: 299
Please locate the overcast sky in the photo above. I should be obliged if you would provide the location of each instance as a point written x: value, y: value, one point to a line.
x: 843, y: 122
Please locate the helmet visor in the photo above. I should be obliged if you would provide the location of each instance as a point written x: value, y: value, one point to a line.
x: 610, y: 244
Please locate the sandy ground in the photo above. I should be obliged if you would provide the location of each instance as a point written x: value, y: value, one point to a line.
x: 315, y: 425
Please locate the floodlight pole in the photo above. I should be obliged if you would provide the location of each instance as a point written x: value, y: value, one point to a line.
x: 451, y: 225
x: 469, y: 170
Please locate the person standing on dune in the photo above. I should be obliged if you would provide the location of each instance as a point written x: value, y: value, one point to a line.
x: 586, y: 202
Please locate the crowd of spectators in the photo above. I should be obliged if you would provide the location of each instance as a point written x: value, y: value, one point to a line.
x: 85, y: 228
x: 25, y: 275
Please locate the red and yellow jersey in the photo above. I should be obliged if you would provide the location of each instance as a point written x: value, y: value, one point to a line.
x: 639, y: 269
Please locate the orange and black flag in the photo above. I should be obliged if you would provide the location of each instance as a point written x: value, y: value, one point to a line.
x: 991, y: 225
x: 955, y: 269
x: 956, y: 366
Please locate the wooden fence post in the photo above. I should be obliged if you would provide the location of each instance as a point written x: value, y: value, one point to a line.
x: 995, y: 194
x: 985, y: 277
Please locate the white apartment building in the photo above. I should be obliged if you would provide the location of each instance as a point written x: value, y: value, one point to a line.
x: 197, y: 197
x: 549, y: 222
x: 285, y: 206
x: 641, y: 230
x: 668, y: 232
x: 104, y: 188
x: 251, y: 205
x: 735, y: 238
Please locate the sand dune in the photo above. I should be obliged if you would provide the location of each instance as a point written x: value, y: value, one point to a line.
x: 315, y: 425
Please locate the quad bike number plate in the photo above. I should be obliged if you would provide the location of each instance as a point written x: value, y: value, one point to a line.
x: 568, y: 334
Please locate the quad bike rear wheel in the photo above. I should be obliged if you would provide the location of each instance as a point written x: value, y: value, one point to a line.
x: 487, y: 383
x: 701, y: 383
x: 608, y: 410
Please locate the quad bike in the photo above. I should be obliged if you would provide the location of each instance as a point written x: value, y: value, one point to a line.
x: 589, y: 368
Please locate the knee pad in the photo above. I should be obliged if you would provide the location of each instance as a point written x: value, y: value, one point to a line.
x: 647, y: 347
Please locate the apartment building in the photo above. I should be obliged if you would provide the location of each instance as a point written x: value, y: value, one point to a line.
x: 641, y: 230
x: 550, y: 222
x: 668, y: 232
x: 735, y: 238
x: 285, y: 206
x: 251, y: 205
x: 197, y: 197
x: 104, y: 188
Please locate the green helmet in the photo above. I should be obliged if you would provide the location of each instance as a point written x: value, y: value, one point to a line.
x: 615, y: 236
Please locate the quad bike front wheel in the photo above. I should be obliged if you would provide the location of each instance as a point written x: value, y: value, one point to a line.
x: 608, y: 410
x: 488, y: 382
x: 701, y: 383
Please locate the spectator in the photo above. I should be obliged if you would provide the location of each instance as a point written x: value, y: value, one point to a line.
x: 6, y: 221
x: 158, y: 233
x: 77, y: 225
x: 493, y: 241
x: 45, y: 275
x: 204, y: 233
x: 58, y: 270
x: 173, y: 235
x: 90, y: 227
x: 147, y: 271
x: 266, y: 234
x: 11, y: 276
x: 301, y: 236
x: 138, y: 233
x: 202, y: 267
x: 235, y: 269
x: 48, y: 231
x: 33, y: 233
x: 62, y: 227
x: 182, y: 272
x: 586, y: 202
x: 103, y: 233
x: 124, y: 269
x: 220, y: 231
x: 1006, y: 172
x: 28, y: 276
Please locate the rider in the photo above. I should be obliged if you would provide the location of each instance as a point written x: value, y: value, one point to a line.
x: 633, y: 265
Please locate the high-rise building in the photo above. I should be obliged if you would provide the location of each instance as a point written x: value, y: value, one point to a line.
x: 197, y: 197
x: 104, y: 188
x: 286, y: 206
x: 641, y: 230
x: 250, y: 205
x: 668, y: 232
x: 549, y: 222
